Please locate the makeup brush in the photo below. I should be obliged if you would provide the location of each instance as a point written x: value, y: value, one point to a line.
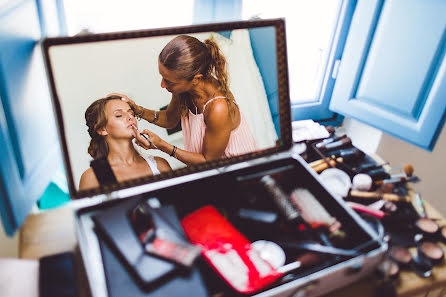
x: 394, y: 180
x: 408, y: 170
x: 334, y: 145
x: 349, y: 154
x: 364, y: 168
x: 405, y: 176
x: 384, y: 196
x: 329, y: 140
x: 322, y: 164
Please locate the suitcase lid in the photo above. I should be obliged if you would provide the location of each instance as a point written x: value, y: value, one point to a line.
x: 84, y: 68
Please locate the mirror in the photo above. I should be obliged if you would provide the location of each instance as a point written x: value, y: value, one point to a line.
x: 82, y: 69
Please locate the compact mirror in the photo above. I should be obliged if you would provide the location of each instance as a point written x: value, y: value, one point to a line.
x: 82, y: 69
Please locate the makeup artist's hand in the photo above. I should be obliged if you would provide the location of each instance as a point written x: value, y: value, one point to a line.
x: 152, y: 141
x: 136, y: 108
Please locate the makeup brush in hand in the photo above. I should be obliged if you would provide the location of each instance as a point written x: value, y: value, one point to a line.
x: 145, y: 137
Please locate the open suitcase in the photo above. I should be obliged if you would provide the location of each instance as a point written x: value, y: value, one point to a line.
x: 258, y: 224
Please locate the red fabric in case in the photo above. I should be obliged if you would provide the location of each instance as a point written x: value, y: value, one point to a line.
x: 228, y: 251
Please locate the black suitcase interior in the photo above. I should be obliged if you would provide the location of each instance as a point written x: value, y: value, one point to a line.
x: 237, y: 194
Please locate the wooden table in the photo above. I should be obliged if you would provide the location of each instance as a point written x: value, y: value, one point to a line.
x: 53, y: 232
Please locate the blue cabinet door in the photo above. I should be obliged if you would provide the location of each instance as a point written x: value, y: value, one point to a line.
x: 29, y: 148
x: 392, y: 75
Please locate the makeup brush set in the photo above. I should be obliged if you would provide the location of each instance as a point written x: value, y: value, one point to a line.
x: 384, y: 196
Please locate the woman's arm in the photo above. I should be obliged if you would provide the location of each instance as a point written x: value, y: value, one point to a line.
x: 166, y: 118
x: 218, y: 131
x: 160, y: 144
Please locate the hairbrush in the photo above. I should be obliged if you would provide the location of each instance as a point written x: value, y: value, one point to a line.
x: 312, y: 210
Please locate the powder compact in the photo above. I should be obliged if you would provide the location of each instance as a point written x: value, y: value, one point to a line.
x: 443, y: 234
x: 400, y: 255
x: 427, y: 226
x: 405, y: 260
x: 431, y: 251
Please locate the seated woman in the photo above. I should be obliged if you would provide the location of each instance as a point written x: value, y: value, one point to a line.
x: 111, y: 124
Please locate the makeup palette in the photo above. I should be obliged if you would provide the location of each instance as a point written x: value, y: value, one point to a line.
x: 394, y: 270
x: 406, y: 260
x: 431, y: 251
x: 443, y: 234
x: 427, y: 226
x: 400, y: 255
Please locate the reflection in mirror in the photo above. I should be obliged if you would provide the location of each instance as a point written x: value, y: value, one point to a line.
x: 83, y: 70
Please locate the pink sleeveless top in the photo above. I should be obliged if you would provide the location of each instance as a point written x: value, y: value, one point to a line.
x: 240, y: 142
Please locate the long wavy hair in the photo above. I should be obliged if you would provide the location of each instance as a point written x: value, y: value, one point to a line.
x: 188, y: 56
x: 96, y: 119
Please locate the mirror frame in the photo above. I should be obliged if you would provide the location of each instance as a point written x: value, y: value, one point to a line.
x: 284, y: 141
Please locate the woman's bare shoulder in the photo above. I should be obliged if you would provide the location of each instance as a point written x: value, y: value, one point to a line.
x: 162, y: 164
x: 88, y: 180
x: 217, y: 113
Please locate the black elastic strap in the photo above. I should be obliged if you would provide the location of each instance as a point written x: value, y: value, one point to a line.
x: 103, y: 172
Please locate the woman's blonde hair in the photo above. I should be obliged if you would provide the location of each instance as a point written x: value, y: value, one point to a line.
x: 96, y: 119
x: 188, y: 56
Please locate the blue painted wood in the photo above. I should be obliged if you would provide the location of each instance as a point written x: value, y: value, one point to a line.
x: 393, y: 70
x: 63, y: 30
x: 30, y: 152
x: 318, y: 109
x: 264, y: 52
x: 209, y: 11
x: 51, y: 15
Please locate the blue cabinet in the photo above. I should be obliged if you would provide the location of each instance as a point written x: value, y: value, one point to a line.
x: 29, y: 148
x: 392, y: 75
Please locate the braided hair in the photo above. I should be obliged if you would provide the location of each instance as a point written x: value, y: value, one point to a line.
x: 96, y: 119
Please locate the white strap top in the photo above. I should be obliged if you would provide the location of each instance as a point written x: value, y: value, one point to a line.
x: 210, y: 100
x: 241, y: 140
x: 152, y: 163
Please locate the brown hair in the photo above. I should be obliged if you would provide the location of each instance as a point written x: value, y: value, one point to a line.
x: 96, y: 119
x: 188, y: 56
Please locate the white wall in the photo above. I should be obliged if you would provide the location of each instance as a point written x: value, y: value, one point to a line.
x: 9, y: 246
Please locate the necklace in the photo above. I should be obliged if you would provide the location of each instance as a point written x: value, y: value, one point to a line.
x: 196, y: 108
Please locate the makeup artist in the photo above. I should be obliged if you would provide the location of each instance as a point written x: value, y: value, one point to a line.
x: 194, y: 72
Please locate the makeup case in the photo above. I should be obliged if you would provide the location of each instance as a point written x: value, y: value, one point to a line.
x: 248, y: 193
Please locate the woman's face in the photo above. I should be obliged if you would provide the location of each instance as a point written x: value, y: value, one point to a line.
x: 171, y: 82
x: 120, y: 119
